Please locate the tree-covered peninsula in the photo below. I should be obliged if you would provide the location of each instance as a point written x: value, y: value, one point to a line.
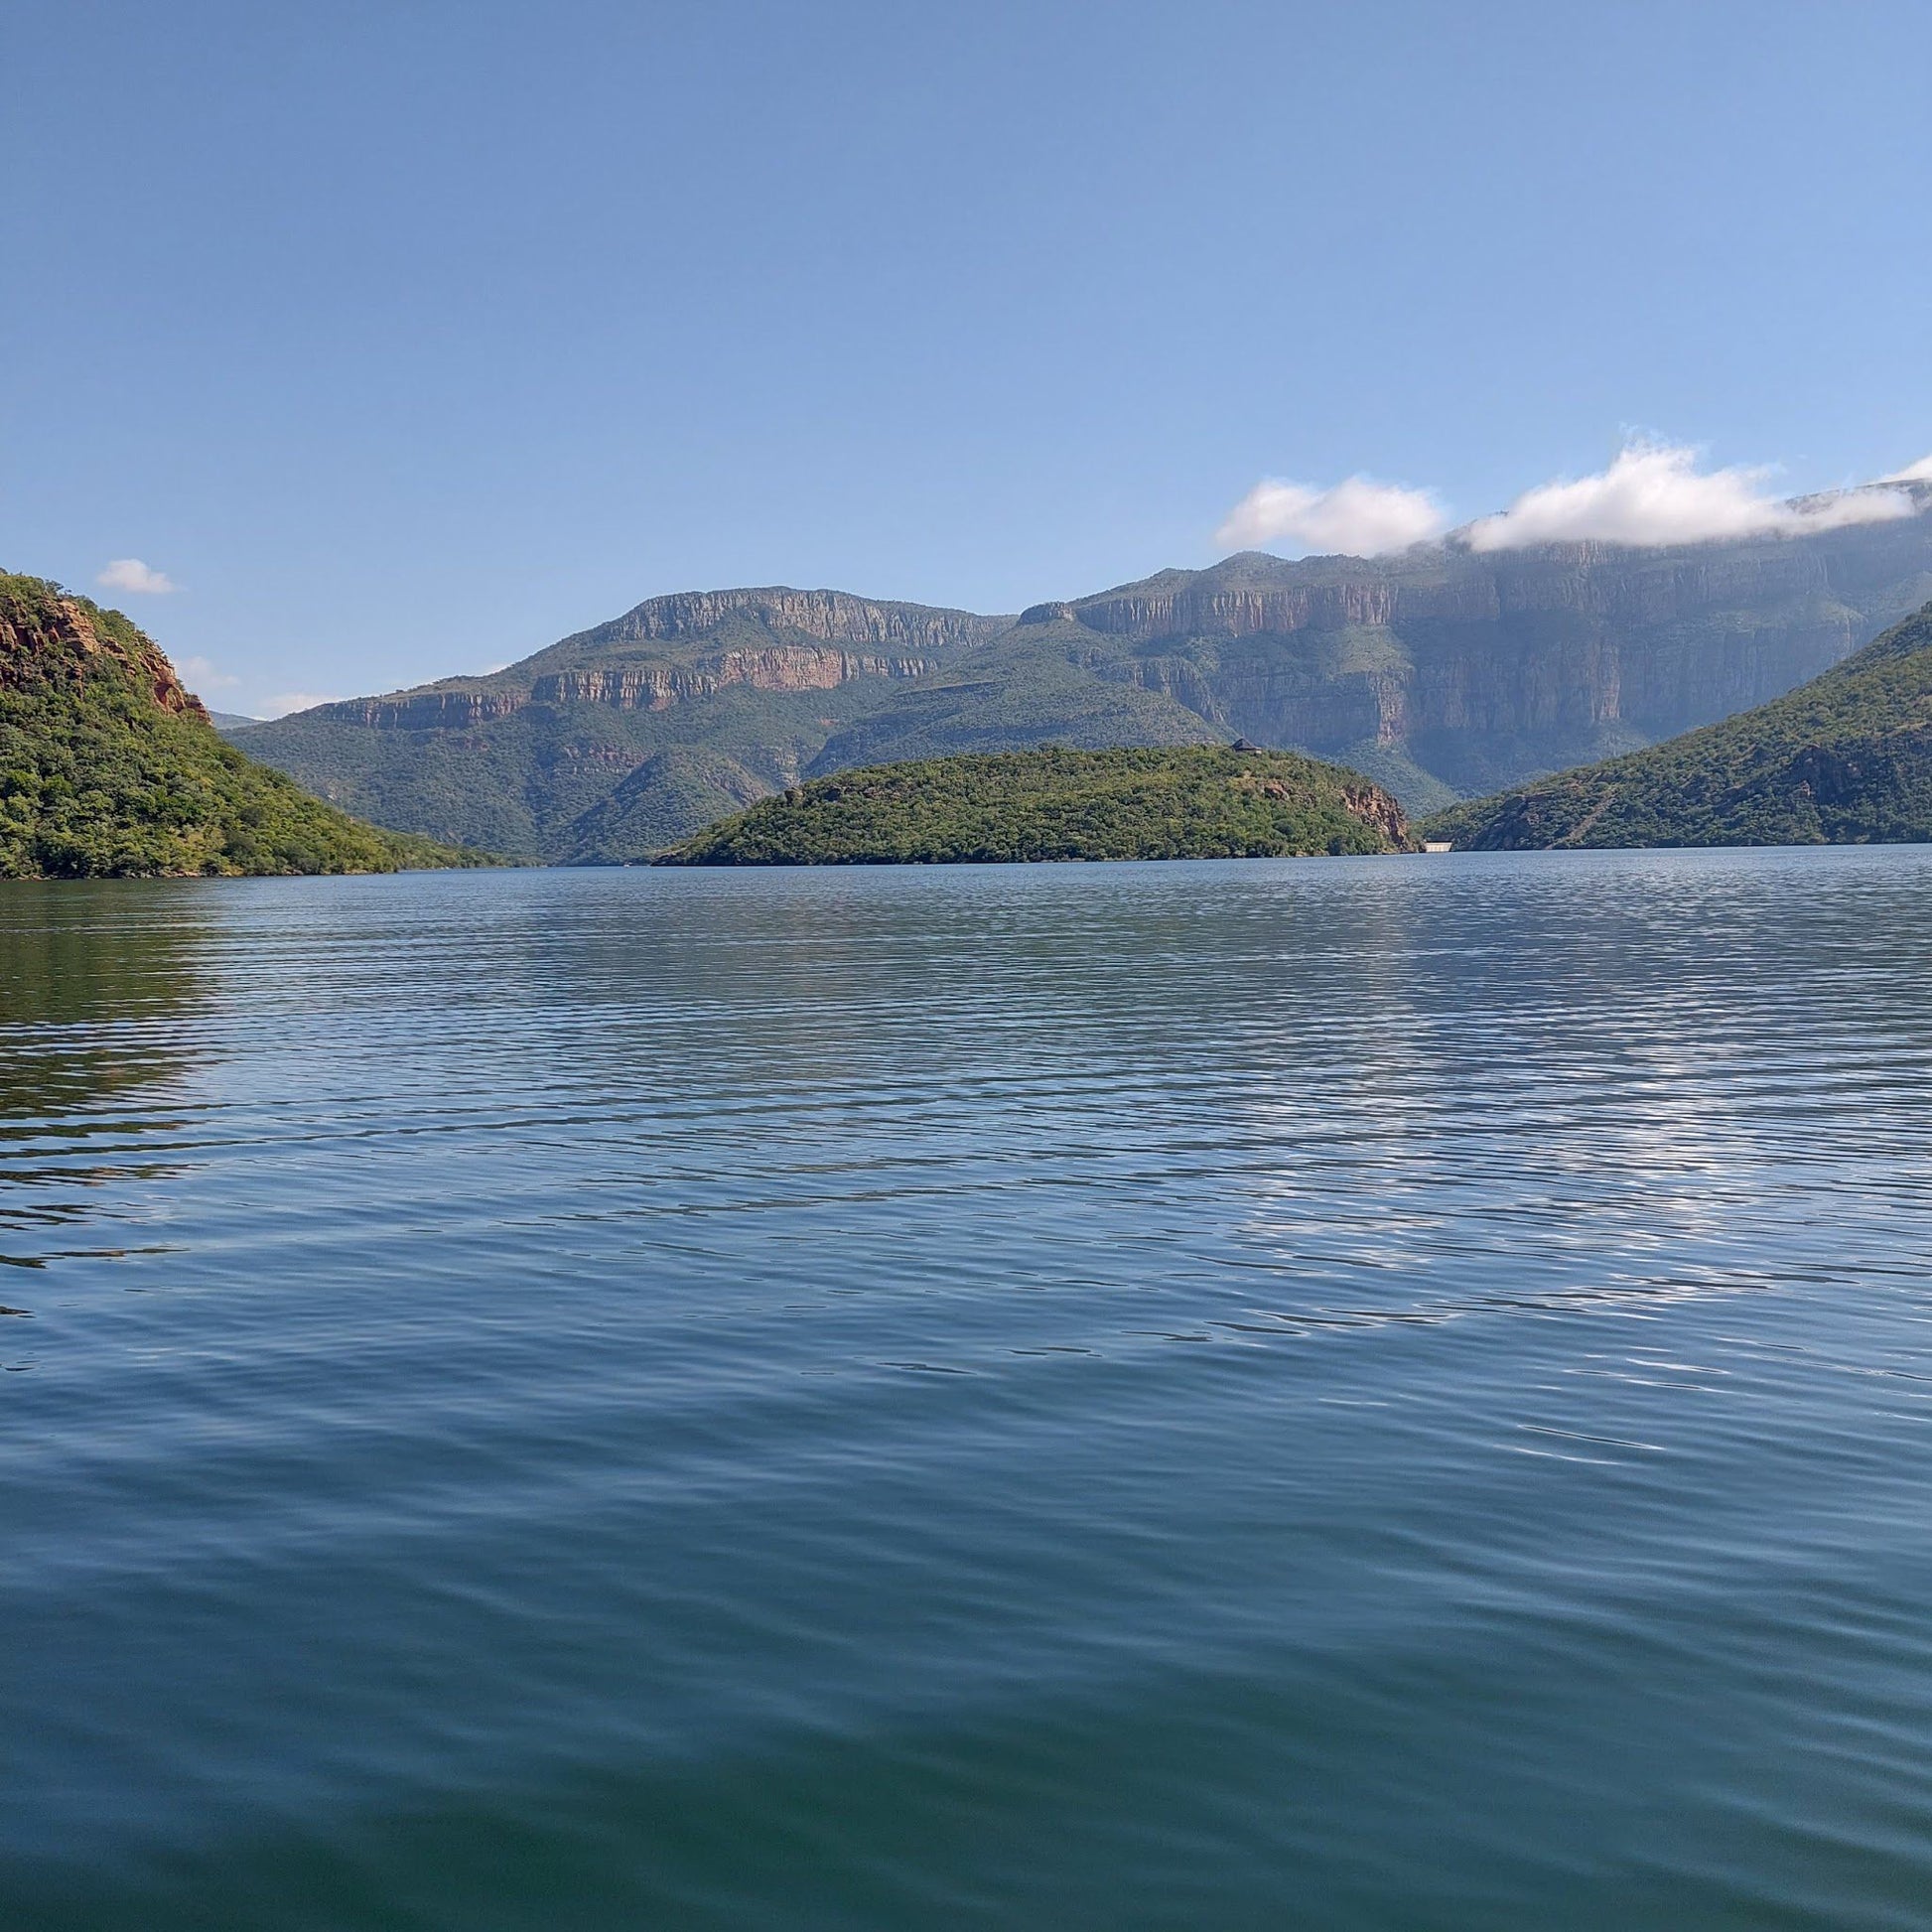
x: 109, y: 768
x: 1195, y: 801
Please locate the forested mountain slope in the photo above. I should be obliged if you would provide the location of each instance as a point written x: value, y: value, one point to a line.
x: 710, y: 698
x: 109, y: 768
x: 1844, y: 759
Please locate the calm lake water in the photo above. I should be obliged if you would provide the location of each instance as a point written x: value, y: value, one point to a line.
x: 1366, y: 1394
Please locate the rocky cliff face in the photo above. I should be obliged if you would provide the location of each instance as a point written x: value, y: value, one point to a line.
x: 784, y: 668
x: 462, y: 706
x: 1203, y: 609
x: 438, y: 708
x: 1376, y: 807
x: 673, y: 650
x: 55, y: 640
x: 830, y: 617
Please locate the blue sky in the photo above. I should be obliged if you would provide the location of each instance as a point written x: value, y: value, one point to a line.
x: 406, y: 337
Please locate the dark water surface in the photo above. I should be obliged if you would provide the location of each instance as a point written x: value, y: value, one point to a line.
x: 1358, y: 1394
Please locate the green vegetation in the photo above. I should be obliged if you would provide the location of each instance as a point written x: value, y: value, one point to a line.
x: 1186, y: 802
x: 108, y: 768
x: 659, y: 802
x: 1846, y: 760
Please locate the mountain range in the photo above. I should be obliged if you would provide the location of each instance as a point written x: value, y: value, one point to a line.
x: 1442, y: 673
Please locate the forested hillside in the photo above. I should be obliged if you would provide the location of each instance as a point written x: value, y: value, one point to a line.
x: 1192, y: 803
x: 109, y: 768
x: 1844, y: 759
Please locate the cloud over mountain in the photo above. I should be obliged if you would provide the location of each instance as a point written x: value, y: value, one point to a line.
x: 1356, y: 517
x: 1654, y: 494
x: 1651, y: 494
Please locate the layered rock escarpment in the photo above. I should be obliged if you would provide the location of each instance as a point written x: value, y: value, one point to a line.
x: 831, y: 617
x: 1205, y: 609
x: 637, y: 687
x: 794, y: 640
x: 435, y: 708
x: 783, y: 667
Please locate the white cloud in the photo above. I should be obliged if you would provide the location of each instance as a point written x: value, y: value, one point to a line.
x: 1654, y: 494
x: 1355, y: 518
x: 286, y: 701
x: 200, y: 675
x: 131, y: 574
x: 1919, y: 472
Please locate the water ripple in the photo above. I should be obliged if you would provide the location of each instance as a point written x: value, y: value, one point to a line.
x: 1356, y: 1394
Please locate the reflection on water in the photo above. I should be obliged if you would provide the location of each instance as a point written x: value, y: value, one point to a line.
x: 1362, y: 1394
x: 97, y: 991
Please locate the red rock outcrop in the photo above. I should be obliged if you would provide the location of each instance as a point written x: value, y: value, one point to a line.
x: 75, y: 647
